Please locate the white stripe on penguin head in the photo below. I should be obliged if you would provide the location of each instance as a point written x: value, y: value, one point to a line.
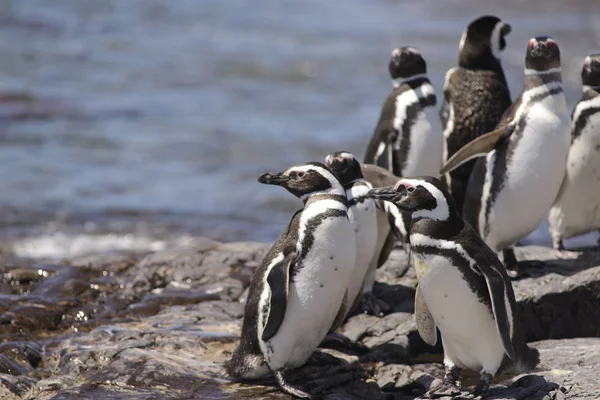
x: 441, y: 212
x: 495, y: 40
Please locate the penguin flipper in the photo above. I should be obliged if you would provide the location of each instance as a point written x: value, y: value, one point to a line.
x: 499, y: 298
x: 278, y: 281
x: 425, y: 323
x: 475, y: 148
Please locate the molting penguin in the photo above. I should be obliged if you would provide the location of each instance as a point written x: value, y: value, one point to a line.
x: 475, y: 94
x: 575, y: 211
x: 515, y: 182
x: 295, y: 295
x: 362, y: 213
x: 463, y: 288
x: 408, y: 136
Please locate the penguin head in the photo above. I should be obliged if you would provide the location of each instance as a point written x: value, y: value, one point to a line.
x: 304, y: 180
x: 423, y: 196
x: 344, y: 166
x: 483, y: 42
x: 590, y: 74
x: 542, y: 54
x: 406, y: 62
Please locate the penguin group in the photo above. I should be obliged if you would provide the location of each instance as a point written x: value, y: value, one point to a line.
x: 458, y: 188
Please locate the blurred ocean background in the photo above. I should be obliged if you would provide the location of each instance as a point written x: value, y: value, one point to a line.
x: 137, y: 124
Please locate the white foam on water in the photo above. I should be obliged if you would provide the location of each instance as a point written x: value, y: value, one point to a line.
x: 61, y: 245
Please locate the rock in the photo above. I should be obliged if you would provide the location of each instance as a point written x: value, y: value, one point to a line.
x: 573, y: 364
x: 564, y: 290
x: 159, y: 326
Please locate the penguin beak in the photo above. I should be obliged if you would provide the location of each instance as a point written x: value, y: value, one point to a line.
x: 506, y: 29
x: 273, y: 178
x: 387, y: 194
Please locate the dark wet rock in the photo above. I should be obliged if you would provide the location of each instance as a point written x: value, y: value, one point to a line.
x: 159, y: 326
x: 26, y: 354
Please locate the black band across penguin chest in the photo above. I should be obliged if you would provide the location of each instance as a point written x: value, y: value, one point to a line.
x: 312, y: 224
x: 474, y: 280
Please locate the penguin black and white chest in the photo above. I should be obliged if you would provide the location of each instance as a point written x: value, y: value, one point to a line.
x: 463, y: 287
x: 408, y: 137
x: 362, y: 212
x: 517, y: 178
x: 577, y: 208
x: 476, y: 94
x: 295, y: 295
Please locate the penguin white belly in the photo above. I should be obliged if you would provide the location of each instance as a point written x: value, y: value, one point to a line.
x: 426, y: 145
x: 533, y: 178
x: 577, y: 208
x: 467, y: 326
x: 383, y: 230
x: 315, y: 295
x: 363, y: 217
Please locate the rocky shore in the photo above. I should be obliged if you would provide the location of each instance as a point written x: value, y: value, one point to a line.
x: 159, y: 326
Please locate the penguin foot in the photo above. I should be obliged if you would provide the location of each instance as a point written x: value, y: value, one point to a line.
x: 557, y: 244
x: 326, y: 383
x: 371, y: 305
x: 319, y: 378
x: 288, y: 389
x: 320, y: 358
x: 483, y: 385
x: 337, y: 341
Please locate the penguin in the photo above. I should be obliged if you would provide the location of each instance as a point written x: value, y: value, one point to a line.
x: 476, y: 94
x: 522, y: 163
x: 298, y: 290
x: 392, y: 227
x: 408, y: 137
x: 463, y: 289
x: 575, y: 210
x: 362, y: 213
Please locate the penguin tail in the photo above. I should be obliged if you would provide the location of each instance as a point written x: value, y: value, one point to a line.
x: 529, y: 360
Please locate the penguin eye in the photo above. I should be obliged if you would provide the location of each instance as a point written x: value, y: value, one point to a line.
x: 410, y: 189
x: 300, y: 174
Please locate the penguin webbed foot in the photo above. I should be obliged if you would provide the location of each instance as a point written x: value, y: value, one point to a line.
x: 320, y: 374
x: 372, y: 305
x: 289, y: 389
x: 337, y: 341
x: 483, y: 385
x: 557, y: 243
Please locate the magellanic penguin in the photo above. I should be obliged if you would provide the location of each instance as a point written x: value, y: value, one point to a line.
x: 463, y: 288
x: 362, y: 213
x: 577, y: 208
x: 476, y: 94
x: 408, y: 137
x: 392, y: 227
x: 297, y: 292
x: 522, y: 164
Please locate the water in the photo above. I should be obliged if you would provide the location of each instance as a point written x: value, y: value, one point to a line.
x: 154, y: 118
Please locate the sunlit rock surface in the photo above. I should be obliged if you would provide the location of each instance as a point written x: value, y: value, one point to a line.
x: 160, y: 325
